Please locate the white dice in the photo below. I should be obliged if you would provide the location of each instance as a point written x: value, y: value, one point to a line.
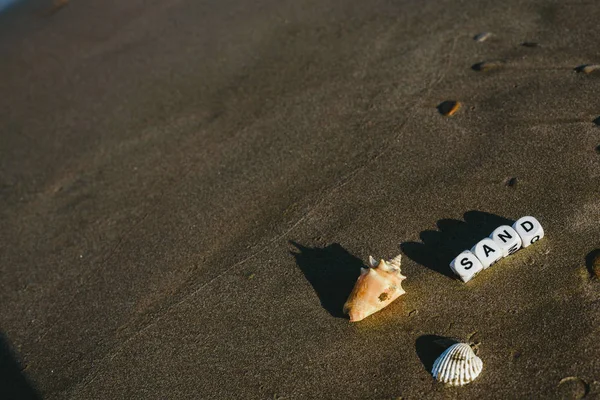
x: 508, y: 239
x: 466, y: 265
x: 487, y: 251
x: 504, y: 241
x: 529, y: 229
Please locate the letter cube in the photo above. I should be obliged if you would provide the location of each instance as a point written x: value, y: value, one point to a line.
x: 507, y: 238
x: 466, y: 265
x: 529, y: 229
x: 487, y: 251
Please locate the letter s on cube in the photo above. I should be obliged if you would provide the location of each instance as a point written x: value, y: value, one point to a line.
x: 507, y: 238
x: 466, y: 265
x: 487, y: 251
x: 529, y: 229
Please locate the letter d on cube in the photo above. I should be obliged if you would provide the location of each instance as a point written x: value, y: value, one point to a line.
x: 529, y: 229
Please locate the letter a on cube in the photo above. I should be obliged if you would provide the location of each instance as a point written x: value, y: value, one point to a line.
x: 466, y: 265
x: 507, y: 238
x: 529, y: 229
x: 487, y: 251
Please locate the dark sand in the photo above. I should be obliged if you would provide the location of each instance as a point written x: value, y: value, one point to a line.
x: 188, y: 189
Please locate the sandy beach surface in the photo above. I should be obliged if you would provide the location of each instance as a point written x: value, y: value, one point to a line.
x: 188, y: 190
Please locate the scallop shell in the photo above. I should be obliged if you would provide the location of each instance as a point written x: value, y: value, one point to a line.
x: 457, y: 366
x: 375, y: 288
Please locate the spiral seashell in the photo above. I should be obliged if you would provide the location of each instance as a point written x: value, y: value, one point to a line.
x: 457, y: 365
x: 375, y: 288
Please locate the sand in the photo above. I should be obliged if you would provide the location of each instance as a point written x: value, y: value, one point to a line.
x: 189, y: 189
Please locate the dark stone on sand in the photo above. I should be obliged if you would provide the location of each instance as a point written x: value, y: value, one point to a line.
x: 448, y: 107
x: 588, y: 69
x: 481, y: 37
x: 511, y: 182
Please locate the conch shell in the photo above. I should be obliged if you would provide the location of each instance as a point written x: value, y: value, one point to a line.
x: 375, y: 288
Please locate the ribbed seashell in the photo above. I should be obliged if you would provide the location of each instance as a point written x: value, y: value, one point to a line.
x: 375, y: 288
x: 457, y: 366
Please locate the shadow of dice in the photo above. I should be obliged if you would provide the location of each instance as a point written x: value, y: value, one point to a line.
x: 502, y: 242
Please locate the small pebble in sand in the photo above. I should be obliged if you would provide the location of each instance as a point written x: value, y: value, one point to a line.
x: 448, y: 107
x: 487, y: 66
x: 457, y: 365
x: 588, y: 69
x: 482, y: 37
x: 511, y: 182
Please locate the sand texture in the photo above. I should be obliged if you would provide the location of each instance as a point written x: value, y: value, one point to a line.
x: 188, y: 190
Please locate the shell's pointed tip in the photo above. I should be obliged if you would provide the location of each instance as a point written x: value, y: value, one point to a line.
x: 396, y: 260
x: 372, y: 261
x: 356, y: 317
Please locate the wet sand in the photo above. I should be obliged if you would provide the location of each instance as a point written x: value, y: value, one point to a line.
x: 189, y: 189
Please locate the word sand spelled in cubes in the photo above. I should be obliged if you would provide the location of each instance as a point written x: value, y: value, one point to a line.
x: 504, y: 241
